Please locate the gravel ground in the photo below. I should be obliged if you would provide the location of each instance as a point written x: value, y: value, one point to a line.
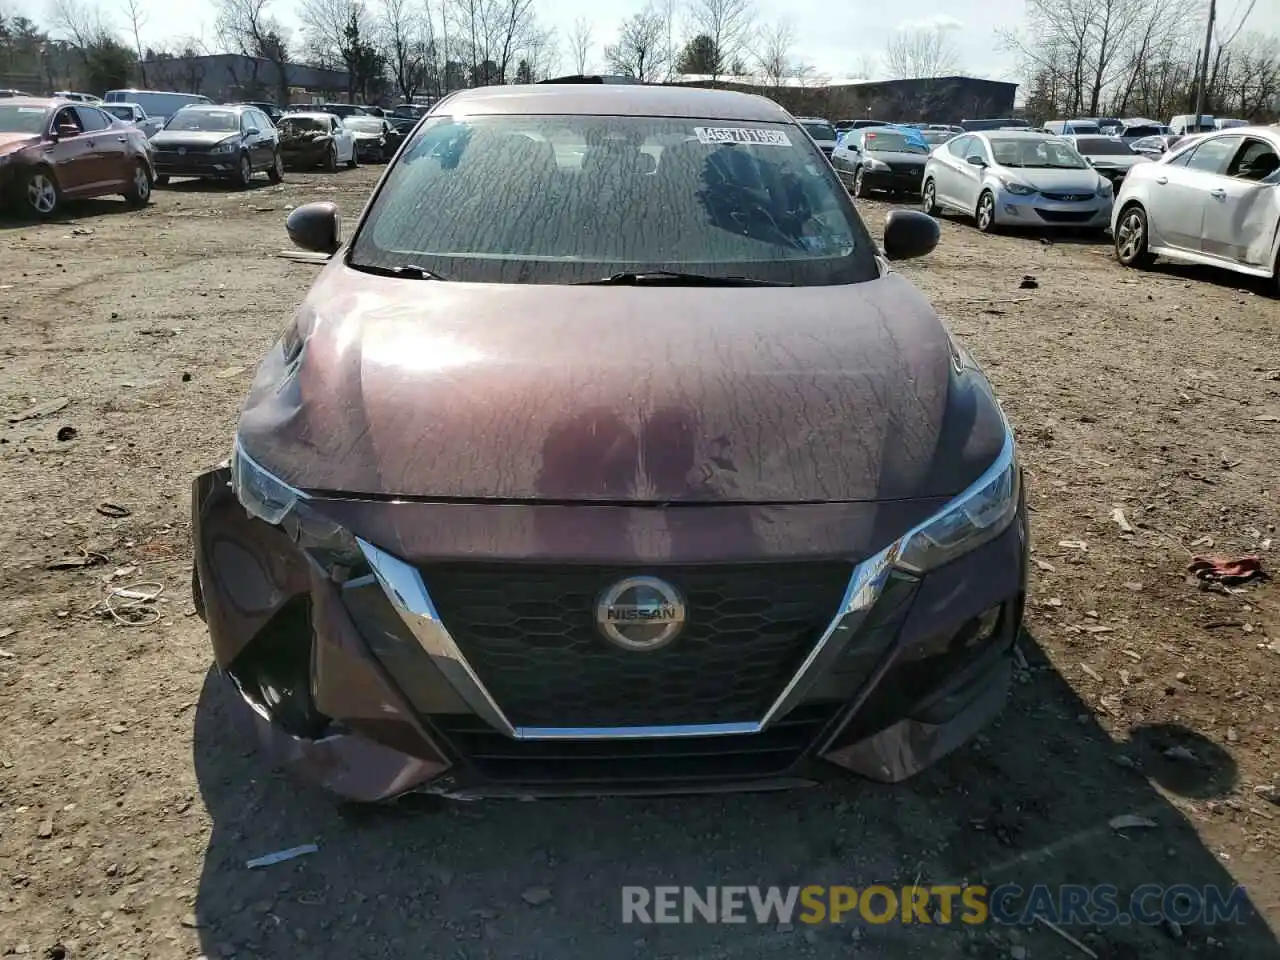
x: 129, y: 804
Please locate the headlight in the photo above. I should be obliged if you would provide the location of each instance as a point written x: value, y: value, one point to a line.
x: 871, y: 163
x: 273, y: 501
x: 977, y: 516
x: 1016, y: 188
x: 227, y: 146
x: 1104, y: 187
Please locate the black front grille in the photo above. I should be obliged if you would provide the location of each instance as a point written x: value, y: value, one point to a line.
x: 1067, y: 197
x: 529, y: 633
x: 668, y: 760
x: 1066, y: 216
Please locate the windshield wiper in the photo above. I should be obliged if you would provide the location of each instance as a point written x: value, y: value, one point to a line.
x: 410, y: 271
x: 675, y: 278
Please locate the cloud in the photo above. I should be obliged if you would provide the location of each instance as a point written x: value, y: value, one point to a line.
x: 939, y: 21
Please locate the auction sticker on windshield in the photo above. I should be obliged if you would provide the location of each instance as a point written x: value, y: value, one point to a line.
x: 771, y: 138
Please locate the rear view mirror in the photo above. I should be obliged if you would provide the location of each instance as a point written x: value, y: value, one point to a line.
x: 252, y: 132
x: 976, y: 161
x: 316, y: 226
x: 909, y: 233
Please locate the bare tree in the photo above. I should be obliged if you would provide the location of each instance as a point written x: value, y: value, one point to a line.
x: 247, y: 27
x: 867, y: 67
x: 78, y: 22
x: 729, y: 25
x: 407, y: 35
x: 580, y: 39
x: 921, y: 52
x: 774, y: 46
x: 513, y: 20
x: 136, y: 11
x: 641, y: 50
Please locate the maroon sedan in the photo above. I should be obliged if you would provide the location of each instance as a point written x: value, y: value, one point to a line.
x: 609, y: 454
x: 53, y: 150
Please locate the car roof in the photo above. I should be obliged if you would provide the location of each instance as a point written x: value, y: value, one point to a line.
x: 1018, y: 134
x: 207, y: 107
x: 313, y: 114
x: 45, y: 102
x: 813, y: 120
x: 614, y: 100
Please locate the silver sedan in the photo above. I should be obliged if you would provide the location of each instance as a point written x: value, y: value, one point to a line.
x: 1214, y: 200
x: 1014, y: 178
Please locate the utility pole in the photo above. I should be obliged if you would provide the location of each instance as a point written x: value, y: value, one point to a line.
x: 1203, y: 79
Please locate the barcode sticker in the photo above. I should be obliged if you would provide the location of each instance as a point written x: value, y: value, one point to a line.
x: 768, y: 138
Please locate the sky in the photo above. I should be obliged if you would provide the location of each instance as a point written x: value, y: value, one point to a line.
x: 833, y: 36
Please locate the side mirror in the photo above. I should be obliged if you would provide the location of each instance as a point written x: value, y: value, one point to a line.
x: 252, y: 132
x: 316, y: 226
x: 976, y: 160
x: 909, y: 234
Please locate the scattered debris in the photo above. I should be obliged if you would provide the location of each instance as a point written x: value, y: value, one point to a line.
x: 1046, y: 566
x: 280, y: 856
x: 186, y: 377
x: 113, y: 510
x: 85, y: 559
x: 1173, y: 928
x: 66, y: 433
x: 1133, y: 655
x: 536, y: 896
x: 1232, y: 736
x: 1217, y: 624
x: 1225, y: 570
x: 228, y: 373
x: 1129, y: 821
x: 6, y: 633
x: 1028, y: 282
x: 40, y: 410
x: 1073, y: 544
x: 1203, y: 542
x: 1117, y: 515
x: 1091, y: 672
x: 304, y: 256
x: 1134, y: 586
x: 1268, y: 418
x: 1181, y: 754
x: 45, y: 830
x: 129, y: 605
x: 1065, y: 936
x: 1095, y: 629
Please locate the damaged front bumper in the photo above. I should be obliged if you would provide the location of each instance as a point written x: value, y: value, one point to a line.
x: 355, y: 678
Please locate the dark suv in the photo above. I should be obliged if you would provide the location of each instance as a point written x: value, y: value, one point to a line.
x: 608, y: 453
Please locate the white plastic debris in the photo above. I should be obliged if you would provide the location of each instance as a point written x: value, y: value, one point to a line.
x: 280, y: 856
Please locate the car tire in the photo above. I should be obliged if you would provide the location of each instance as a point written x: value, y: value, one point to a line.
x: 355, y: 159
x: 244, y: 172
x: 275, y: 173
x: 139, y: 192
x: 39, y: 194
x: 985, y: 214
x: 1131, y: 238
x: 859, y: 185
x: 162, y: 180
x: 929, y: 198
x: 331, y: 160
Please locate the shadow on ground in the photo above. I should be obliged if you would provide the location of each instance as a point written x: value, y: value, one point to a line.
x: 1027, y: 804
x: 70, y: 213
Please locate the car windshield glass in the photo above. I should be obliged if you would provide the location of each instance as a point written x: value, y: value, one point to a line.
x: 301, y: 124
x: 1103, y: 147
x: 365, y: 124
x: 1151, y: 131
x: 14, y: 119
x: 204, y: 121
x: 1029, y: 152
x: 882, y: 142
x: 551, y: 199
x: 124, y: 113
x: 819, y: 131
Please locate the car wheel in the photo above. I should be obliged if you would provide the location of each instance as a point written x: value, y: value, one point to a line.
x: 162, y: 180
x: 139, y: 192
x: 859, y: 185
x: 331, y: 160
x: 355, y: 158
x: 244, y: 173
x: 276, y: 172
x: 1131, y: 238
x: 986, y: 212
x: 929, y: 199
x: 40, y: 194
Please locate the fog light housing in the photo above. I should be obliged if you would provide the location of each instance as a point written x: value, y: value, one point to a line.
x: 977, y: 630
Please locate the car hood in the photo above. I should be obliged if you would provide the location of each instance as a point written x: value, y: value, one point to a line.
x: 365, y: 135
x: 535, y: 392
x: 1068, y: 181
x: 189, y: 138
x: 13, y: 142
x: 1117, y: 162
x: 899, y: 158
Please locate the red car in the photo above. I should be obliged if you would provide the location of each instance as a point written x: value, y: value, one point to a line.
x: 54, y: 150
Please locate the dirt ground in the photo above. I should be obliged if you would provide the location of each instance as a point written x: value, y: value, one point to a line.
x: 129, y: 804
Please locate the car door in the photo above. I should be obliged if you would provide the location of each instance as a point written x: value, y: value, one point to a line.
x: 947, y: 176
x: 1239, y: 216
x: 845, y: 156
x: 970, y: 174
x: 345, y: 141
x: 74, y: 162
x: 109, y: 147
x: 1180, y: 193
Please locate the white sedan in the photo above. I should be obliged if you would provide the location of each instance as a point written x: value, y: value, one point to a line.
x: 1213, y: 200
x: 1016, y: 178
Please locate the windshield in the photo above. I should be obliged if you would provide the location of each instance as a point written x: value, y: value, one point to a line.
x: 116, y: 110
x: 290, y: 124
x: 1141, y: 131
x: 407, y: 110
x: 547, y: 199
x: 365, y: 124
x: 15, y: 119
x: 1028, y: 152
x: 819, y: 131
x: 204, y: 121
x: 1103, y: 147
x: 935, y: 137
x: 882, y: 142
